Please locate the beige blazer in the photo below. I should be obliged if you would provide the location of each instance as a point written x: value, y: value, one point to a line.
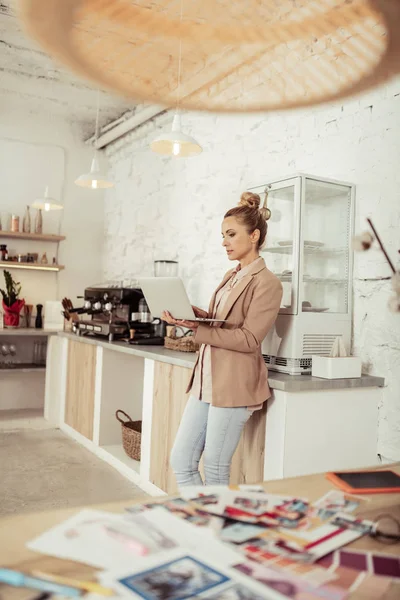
x: 239, y: 373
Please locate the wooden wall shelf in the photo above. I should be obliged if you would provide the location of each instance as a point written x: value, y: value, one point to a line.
x: 39, y: 237
x: 30, y: 266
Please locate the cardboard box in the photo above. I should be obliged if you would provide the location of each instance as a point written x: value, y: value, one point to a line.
x: 339, y: 367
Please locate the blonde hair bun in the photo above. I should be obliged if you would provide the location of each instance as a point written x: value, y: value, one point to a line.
x: 250, y: 200
x: 265, y: 213
x: 249, y: 213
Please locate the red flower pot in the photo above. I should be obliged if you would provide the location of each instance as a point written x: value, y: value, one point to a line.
x: 11, y: 313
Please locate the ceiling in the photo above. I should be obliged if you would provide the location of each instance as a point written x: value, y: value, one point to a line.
x: 29, y: 77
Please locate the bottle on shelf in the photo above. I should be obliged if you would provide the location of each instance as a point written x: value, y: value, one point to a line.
x: 15, y: 223
x: 28, y: 314
x: 39, y: 317
x: 26, y: 223
x: 3, y: 252
x: 44, y: 260
x: 39, y: 221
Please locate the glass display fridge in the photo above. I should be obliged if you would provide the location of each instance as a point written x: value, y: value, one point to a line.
x: 308, y: 247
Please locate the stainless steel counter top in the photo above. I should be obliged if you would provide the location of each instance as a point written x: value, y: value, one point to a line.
x: 182, y: 359
x: 28, y: 331
x: 277, y: 381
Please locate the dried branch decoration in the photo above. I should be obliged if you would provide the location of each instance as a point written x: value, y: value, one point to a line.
x: 364, y: 242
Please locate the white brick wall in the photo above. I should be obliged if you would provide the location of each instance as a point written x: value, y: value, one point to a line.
x: 172, y: 208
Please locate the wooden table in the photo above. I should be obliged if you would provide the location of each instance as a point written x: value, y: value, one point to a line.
x: 16, y: 531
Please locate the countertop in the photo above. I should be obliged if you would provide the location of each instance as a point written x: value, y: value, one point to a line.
x: 277, y: 381
x: 28, y: 331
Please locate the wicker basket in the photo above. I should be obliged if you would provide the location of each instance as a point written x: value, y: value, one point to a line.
x: 185, y: 343
x: 131, y: 435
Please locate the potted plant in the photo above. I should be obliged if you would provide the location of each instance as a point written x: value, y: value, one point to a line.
x: 12, y: 304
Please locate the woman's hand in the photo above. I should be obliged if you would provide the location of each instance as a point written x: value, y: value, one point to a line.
x: 166, y: 316
x: 199, y: 312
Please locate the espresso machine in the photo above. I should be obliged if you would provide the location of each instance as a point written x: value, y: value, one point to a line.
x: 118, y: 312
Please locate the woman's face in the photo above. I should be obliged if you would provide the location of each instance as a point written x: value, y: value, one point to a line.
x: 237, y: 242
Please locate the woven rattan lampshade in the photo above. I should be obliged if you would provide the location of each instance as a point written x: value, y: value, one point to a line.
x: 240, y: 55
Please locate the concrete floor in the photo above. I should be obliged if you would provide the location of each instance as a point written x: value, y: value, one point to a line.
x: 41, y: 468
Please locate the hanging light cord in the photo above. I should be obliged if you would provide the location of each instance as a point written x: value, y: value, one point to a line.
x: 54, y: 127
x: 178, y: 88
x: 96, y: 132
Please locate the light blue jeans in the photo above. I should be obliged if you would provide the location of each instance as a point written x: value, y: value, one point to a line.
x: 210, y: 430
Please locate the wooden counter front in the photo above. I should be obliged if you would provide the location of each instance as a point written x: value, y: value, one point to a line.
x: 80, y: 388
x: 169, y: 401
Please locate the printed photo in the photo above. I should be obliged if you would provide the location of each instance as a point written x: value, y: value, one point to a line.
x: 337, y: 502
x: 183, y: 509
x: 349, y: 522
x: 263, y: 549
x: 206, y: 500
x: 291, y: 514
x: 267, y: 510
x: 237, y: 533
x: 236, y: 514
x: 202, y: 519
x: 259, y: 554
x: 288, y: 520
x: 176, y: 580
x: 324, y: 514
x: 251, y: 505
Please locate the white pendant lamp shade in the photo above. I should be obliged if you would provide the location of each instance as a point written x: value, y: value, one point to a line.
x: 95, y: 179
x: 176, y: 143
x: 46, y: 203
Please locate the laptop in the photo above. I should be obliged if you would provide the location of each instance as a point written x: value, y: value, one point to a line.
x: 168, y: 293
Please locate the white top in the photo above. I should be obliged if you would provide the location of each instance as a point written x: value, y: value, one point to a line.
x: 202, y: 382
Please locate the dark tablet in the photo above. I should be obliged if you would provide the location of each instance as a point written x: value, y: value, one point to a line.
x: 367, y: 482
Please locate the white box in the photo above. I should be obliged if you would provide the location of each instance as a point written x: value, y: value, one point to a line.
x: 53, y: 315
x: 340, y: 367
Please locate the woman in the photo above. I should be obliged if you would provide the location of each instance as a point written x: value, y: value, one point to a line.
x: 229, y: 380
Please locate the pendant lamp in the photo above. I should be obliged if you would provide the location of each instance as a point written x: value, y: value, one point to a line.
x: 241, y: 56
x: 176, y: 143
x: 95, y: 179
x: 47, y: 203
